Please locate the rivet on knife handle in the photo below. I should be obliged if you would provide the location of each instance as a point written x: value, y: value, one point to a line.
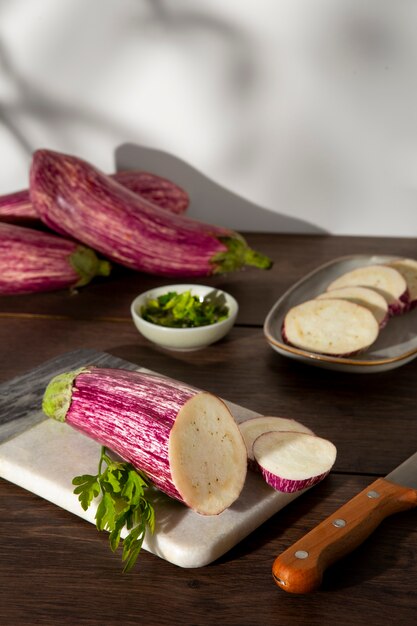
x: 300, y: 568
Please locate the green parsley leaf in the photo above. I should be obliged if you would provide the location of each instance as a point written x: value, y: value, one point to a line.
x: 184, y: 310
x: 123, y: 504
x: 132, y: 546
x: 88, y: 489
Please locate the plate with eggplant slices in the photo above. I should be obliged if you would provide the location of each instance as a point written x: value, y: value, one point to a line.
x: 355, y: 313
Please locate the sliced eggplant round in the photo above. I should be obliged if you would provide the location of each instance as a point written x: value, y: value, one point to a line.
x: 291, y: 461
x: 331, y: 327
x: 252, y: 428
x: 408, y: 270
x: 369, y: 298
x: 385, y: 280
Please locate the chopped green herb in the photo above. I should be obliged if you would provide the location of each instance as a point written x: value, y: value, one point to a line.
x: 184, y: 310
x: 123, y: 504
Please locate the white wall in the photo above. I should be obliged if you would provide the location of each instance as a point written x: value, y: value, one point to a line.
x: 308, y: 109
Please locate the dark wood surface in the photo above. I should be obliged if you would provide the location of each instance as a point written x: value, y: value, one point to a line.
x: 57, y: 569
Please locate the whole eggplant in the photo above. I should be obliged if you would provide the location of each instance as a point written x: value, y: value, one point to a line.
x: 33, y: 261
x: 17, y: 206
x: 73, y: 197
x: 156, y: 189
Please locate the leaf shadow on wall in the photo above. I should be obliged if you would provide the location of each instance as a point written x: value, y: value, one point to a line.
x: 56, y: 117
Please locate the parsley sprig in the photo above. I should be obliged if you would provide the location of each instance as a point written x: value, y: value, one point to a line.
x: 123, y: 504
x: 185, y: 310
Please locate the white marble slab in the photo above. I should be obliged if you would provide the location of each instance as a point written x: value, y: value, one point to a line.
x: 45, y: 458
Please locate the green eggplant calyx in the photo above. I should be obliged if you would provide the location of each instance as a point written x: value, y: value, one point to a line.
x: 87, y: 265
x: 237, y: 255
x: 58, y: 394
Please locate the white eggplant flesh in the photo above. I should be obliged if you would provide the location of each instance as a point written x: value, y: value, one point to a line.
x: 252, y: 428
x: 385, y: 280
x: 408, y: 270
x: 331, y: 327
x: 293, y: 461
x: 364, y: 296
x: 206, y: 455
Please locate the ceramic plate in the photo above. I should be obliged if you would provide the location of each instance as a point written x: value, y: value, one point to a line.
x: 395, y: 346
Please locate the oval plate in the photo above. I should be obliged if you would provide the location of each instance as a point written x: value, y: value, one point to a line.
x: 395, y: 346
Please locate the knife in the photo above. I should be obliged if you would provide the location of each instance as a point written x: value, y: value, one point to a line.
x: 300, y: 568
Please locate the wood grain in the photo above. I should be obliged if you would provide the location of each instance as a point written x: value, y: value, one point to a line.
x: 57, y: 569
x: 256, y: 290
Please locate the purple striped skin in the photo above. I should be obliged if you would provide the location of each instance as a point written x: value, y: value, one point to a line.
x: 132, y: 414
x: 156, y: 189
x: 32, y: 261
x: 400, y: 306
x: 185, y: 440
x: 17, y: 205
x: 286, y: 485
x: 75, y: 198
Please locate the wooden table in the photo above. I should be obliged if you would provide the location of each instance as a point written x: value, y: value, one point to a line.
x: 57, y: 569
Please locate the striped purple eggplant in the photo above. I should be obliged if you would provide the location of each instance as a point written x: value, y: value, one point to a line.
x: 33, y: 261
x: 73, y: 197
x: 158, y: 190
x: 155, y: 189
x: 17, y: 205
x: 185, y: 440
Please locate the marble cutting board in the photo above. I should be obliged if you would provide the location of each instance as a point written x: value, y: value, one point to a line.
x: 43, y: 456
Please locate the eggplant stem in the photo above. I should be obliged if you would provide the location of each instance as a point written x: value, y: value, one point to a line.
x: 238, y: 255
x: 57, y: 397
x: 87, y: 265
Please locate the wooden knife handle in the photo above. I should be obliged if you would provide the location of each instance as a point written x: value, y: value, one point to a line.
x: 300, y: 568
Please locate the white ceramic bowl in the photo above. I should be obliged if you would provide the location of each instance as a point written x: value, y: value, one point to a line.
x: 183, y: 338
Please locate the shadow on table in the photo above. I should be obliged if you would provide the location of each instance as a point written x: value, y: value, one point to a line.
x: 369, y: 561
x: 209, y: 201
x: 366, y: 563
x: 274, y: 528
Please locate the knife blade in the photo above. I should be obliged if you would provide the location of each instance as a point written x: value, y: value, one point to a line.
x: 301, y: 567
